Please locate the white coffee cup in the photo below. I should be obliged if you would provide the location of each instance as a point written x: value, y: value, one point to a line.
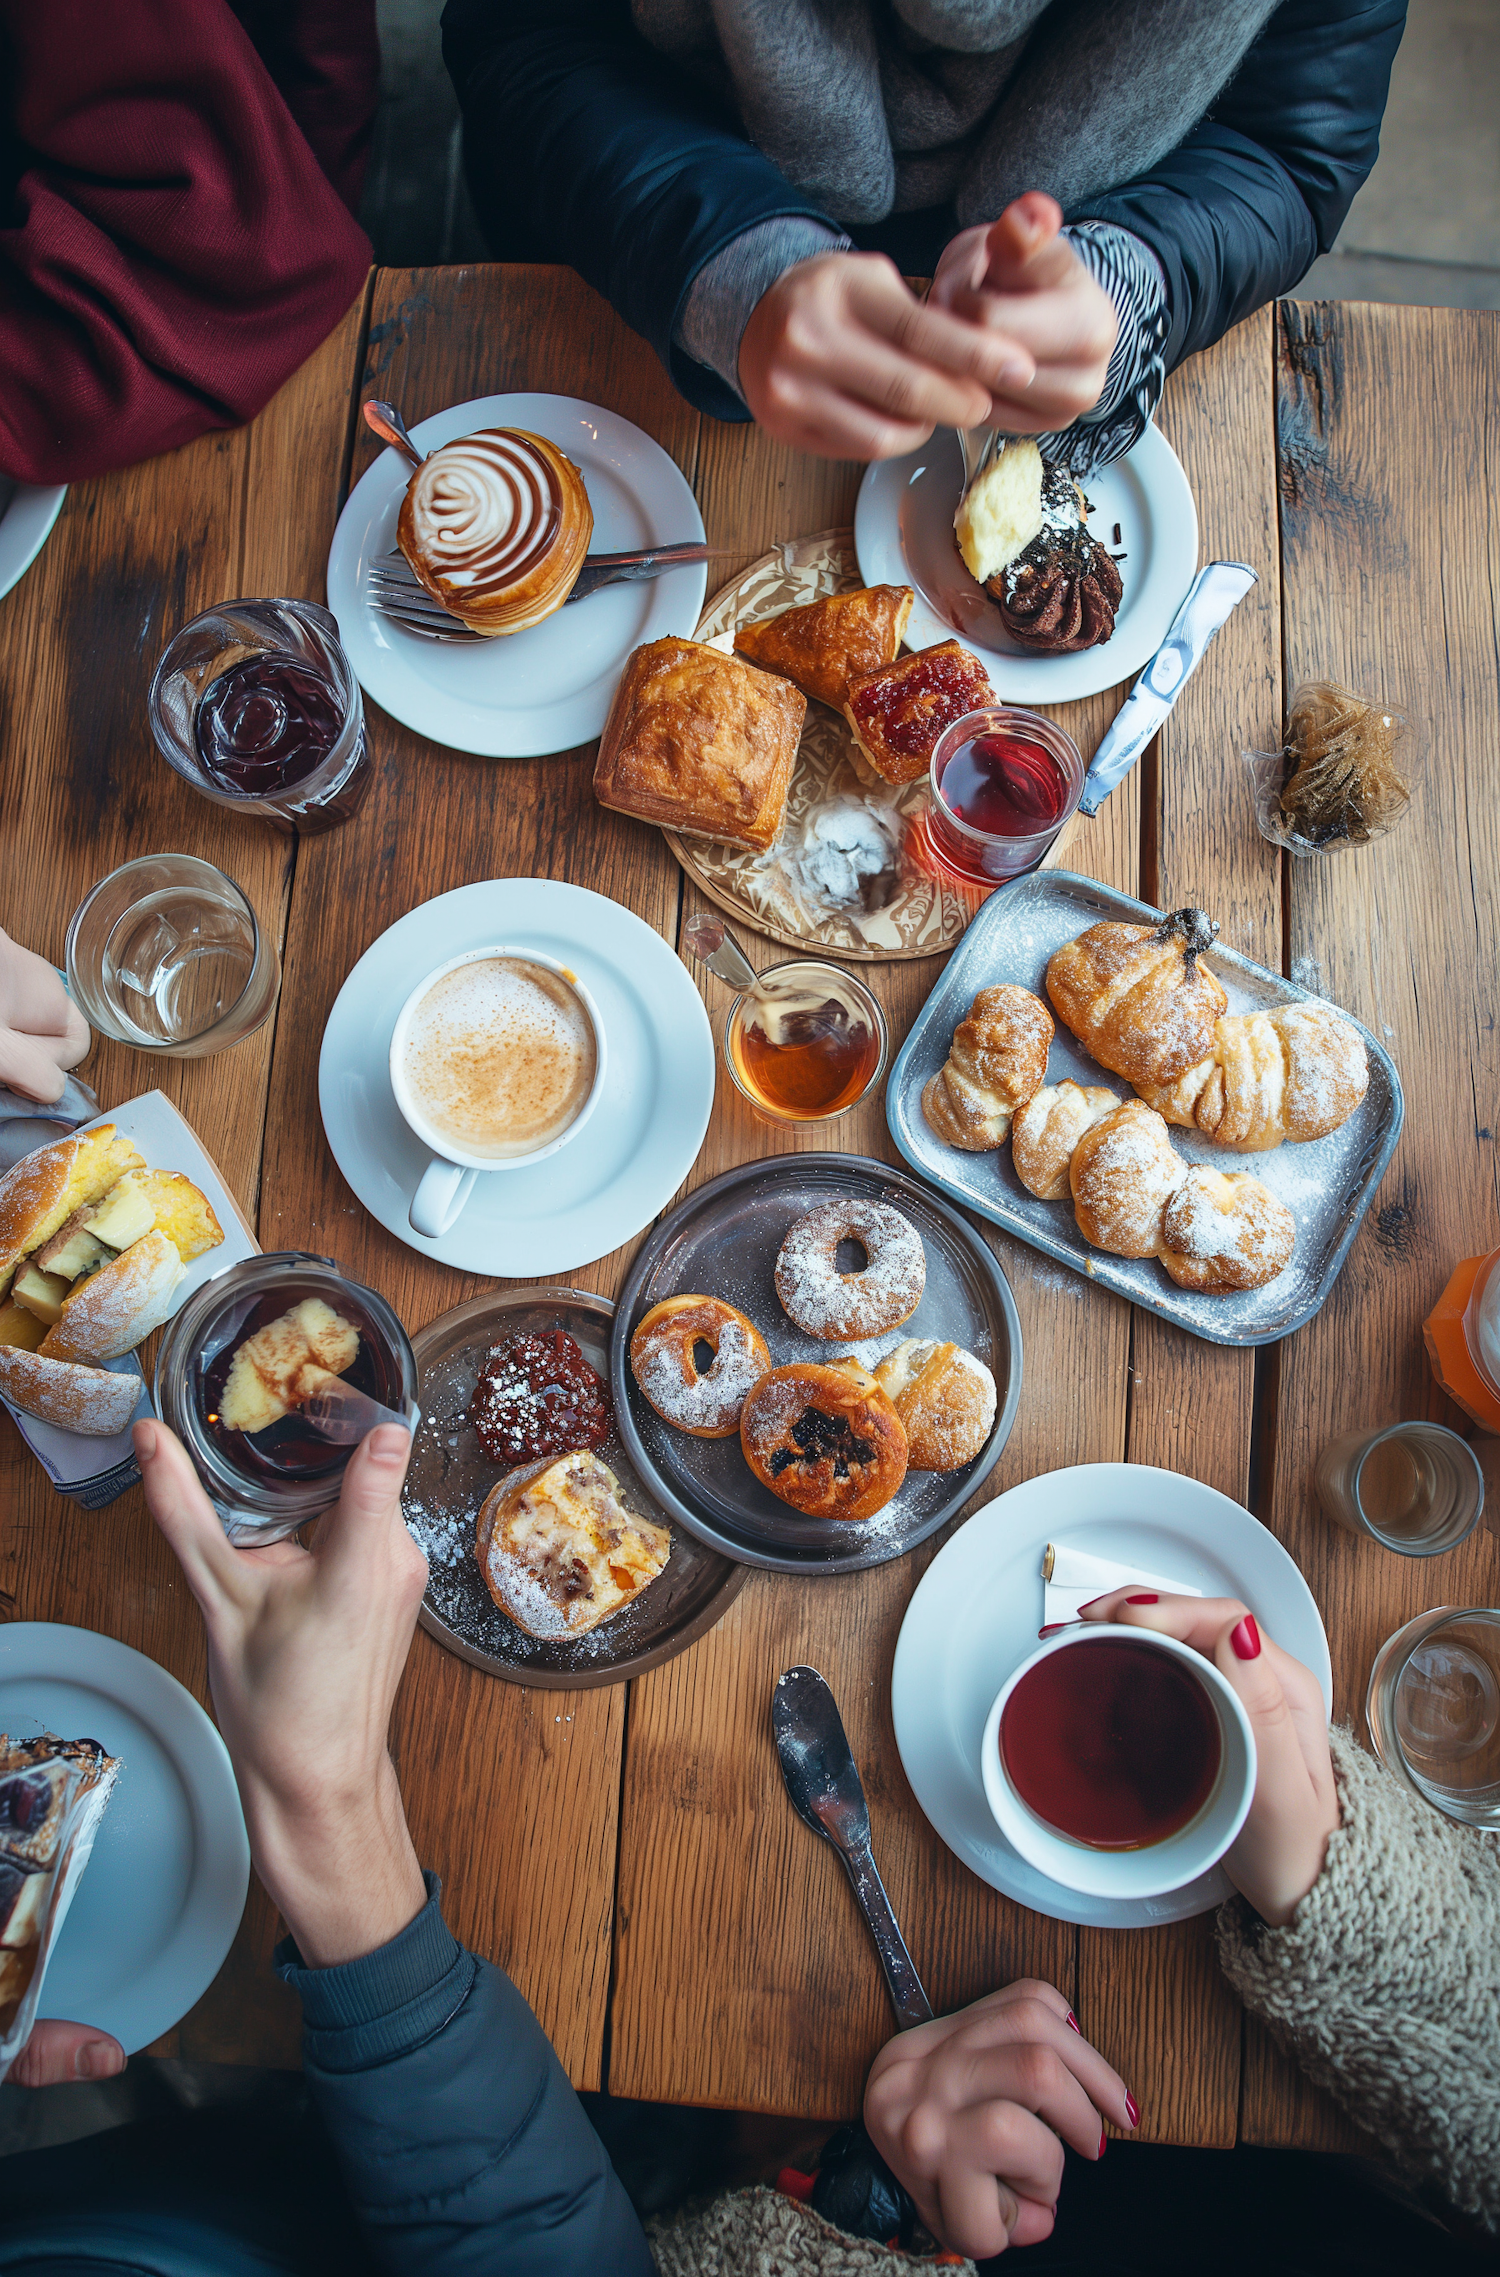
x: 1158, y: 1866
x: 450, y: 1177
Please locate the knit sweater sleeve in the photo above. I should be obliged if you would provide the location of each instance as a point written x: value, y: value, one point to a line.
x: 1386, y: 1981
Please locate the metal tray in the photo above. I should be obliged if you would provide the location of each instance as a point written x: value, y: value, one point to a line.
x: 450, y: 1476
x: 722, y: 1242
x: 1327, y: 1184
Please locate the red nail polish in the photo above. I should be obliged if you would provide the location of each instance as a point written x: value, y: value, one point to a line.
x: 1053, y: 1626
x: 1132, y: 2111
x: 1099, y: 1600
x: 1101, y: 2142
x: 1073, y: 2023
x: 1150, y: 1598
x: 1245, y: 1638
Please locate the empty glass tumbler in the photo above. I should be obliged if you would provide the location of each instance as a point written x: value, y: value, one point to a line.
x: 1414, y: 1487
x: 1433, y: 1709
x: 166, y: 954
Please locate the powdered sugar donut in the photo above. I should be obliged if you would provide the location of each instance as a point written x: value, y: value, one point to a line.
x: 844, y: 1306
x: 704, y: 1403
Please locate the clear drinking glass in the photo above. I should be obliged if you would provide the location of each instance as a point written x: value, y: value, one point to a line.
x: 807, y: 1044
x: 165, y: 954
x: 1433, y: 1708
x: 1414, y: 1487
x: 1028, y: 801
x: 255, y: 704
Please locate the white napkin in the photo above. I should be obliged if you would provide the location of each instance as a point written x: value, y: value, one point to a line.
x: 1070, y: 1578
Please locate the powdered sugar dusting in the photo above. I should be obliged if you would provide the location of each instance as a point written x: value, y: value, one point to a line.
x: 663, y: 1366
x: 829, y: 1304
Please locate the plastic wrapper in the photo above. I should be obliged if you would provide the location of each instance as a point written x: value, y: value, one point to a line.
x: 53, y: 1794
x: 1340, y: 779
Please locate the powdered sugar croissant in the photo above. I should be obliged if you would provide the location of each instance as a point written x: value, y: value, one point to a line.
x: 997, y: 1061
x: 1214, y: 1231
x: 1295, y: 1073
x: 1139, y: 997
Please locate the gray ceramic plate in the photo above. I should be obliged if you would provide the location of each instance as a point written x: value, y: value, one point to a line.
x: 723, y: 1242
x: 450, y: 1476
x: 1327, y: 1184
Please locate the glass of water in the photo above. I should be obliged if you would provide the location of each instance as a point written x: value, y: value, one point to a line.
x: 1433, y: 1708
x: 165, y: 954
x: 1414, y: 1487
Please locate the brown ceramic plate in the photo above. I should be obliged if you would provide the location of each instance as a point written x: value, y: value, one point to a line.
x: 450, y: 1476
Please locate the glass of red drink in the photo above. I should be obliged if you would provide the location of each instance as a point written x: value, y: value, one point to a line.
x: 1003, y: 782
x: 256, y: 705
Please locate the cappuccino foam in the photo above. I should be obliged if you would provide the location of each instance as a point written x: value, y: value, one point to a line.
x: 500, y: 1057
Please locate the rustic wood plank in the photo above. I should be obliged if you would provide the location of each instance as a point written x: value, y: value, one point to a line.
x: 1388, y: 517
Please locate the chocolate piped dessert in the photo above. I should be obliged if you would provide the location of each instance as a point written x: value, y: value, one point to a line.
x: 497, y: 526
x: 1060, y: 593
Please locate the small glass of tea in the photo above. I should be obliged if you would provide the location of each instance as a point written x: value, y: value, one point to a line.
x: 1003, y: 782
x: 806, y: 1043
x: 256, y: 705
x: 1414, y: 1487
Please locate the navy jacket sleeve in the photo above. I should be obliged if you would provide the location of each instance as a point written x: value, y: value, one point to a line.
x: 463, y: 2147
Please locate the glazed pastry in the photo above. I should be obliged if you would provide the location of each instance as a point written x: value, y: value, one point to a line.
x: 1139, y: 997
x: 44, y: 1189
x: 945, y: 1399
x: 117, y: 1308
x: 827, y: 645
x: 1047, y: 1129
x: 1224, y: 1230
x: 700, y: 742
x: 94, y: 1401
x: 558, y: 1549
x: 841, y: 1307
x: 1123, y: 1174
x: 898, y: 713
x: 1295, y: 1073
x: 1060, y: 593
x: 1000, y: 514
x: 997, y: 1061
x: 496, y: 526
x: 706, y: 1405
x: 826, y: 1440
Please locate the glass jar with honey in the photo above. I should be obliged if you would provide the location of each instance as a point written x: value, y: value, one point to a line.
x: 806, y: 1043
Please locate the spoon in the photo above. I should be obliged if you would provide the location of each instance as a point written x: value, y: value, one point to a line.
x: 384, y: 420
x: 712, y: 943
x: 343, y: 1415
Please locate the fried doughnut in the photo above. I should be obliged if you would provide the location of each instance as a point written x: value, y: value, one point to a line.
x: 839, y: 1307
x: 945, y: 1399
x: 825, y: 1439
x: 705, y: 1403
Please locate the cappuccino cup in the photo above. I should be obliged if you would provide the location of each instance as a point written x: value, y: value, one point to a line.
x: 497, y: 1060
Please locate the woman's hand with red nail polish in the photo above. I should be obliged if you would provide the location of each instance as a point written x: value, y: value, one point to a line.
x: 1279, y: 1852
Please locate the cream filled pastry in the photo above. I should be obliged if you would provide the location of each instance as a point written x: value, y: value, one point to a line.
x: 497, y: 526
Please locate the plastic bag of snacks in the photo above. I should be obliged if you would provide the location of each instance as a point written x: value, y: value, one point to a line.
x: 52, y: 1796
x: 1335, y: 782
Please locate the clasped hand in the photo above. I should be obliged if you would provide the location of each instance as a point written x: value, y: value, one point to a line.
x: 42, y: 1032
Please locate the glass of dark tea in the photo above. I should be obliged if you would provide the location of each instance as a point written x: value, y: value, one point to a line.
x: 807, y: 1043
x: 1119, y: 1763
x: 1002, y: 783
x: 254, y: 1359
x: 256, y: 705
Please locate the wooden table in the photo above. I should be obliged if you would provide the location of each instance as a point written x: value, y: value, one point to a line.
x: 629, y: 1855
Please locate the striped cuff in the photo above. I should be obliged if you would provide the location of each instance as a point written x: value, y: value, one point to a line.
x: 388, y: 2002
x: 723, y: 295
x: 1137, y: 284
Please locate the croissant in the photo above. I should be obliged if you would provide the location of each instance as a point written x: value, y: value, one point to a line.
x: 1047, y: 1129
x: 1295, y: 1073
x: 1139, y: 997
x: 1213, y: 1230
x: 997, y: 1060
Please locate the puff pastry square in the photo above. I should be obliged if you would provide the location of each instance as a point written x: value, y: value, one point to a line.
x: 898, y: 713
x: 827, y: 645
x: 699, y: 742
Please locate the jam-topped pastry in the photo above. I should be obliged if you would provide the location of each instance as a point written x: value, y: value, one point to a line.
x: 497, y: 526
x: 1060, y: 593
x: 899, y: 712
x: 537, y: 1396
x: 826, y: 1440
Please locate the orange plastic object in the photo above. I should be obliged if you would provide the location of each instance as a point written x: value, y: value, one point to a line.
x: 1448, y: 1348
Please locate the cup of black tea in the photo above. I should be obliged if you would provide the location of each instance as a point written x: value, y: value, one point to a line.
x: 1118, y: 1762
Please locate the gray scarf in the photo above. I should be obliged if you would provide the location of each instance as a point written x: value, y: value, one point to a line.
x: 875, y: 107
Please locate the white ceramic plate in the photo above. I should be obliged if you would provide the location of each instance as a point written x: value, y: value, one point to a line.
x: 638, y: 1145
x: 975, y: 1615
x: 548, y: 689
x: 161, y: 1897
x: 25, y: 527
x: 903, y: 534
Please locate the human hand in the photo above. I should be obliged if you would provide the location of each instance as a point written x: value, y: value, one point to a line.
x: 1020, y: 280
x: 58, y: 2054
x: 970, y: 2113
x: 1279, y: 1852
x: 841, y: 358
x: 42, y: 1032
x: 305, y: 1650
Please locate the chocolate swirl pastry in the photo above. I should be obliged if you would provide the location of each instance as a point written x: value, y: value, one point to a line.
x: 496, y: 526
x: 1061, y: 592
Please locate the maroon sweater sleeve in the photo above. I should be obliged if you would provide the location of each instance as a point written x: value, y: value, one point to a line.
x: 170, y: 250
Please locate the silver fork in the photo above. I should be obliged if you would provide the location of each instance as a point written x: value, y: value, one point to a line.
x: 977, y: 446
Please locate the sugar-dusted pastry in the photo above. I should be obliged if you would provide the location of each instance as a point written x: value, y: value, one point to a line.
x: 945, y: 1399
x: 700, y: 742
x: 558, y: 1549
x: 1295, y: 1073
x: 827, y: 1440
x: 704, y: 1402
x: 826, y: 645
x: 1061, y: 591
x: 117, y: 1308
x: 1001, y: 512
x: 1123, y: 1174
x: 898, y: 713
x: 497, y: 526
x: 1047, y: 1129
x: 1224, y: 1230
x: 1139, y: 997
x: 43, y: 1189
x: 996, y: 1062
x: 94, y: 1401
x: 841, y: 1307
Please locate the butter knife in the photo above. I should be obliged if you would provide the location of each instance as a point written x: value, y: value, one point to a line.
x: 1214, y: 594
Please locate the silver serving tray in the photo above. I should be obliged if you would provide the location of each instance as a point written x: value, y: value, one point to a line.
x: 722, y: 1241
x: 1327, y: 1184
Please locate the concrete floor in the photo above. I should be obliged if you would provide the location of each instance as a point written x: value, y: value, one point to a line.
x: 1425, y: 228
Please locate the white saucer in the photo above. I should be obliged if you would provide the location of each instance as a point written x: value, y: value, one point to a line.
x: 975, y: 1617
x: 25, y: 527
x: 161, y: 1897
x: 903, y: 534
x: 637, y: 1146
x: 548, y: 689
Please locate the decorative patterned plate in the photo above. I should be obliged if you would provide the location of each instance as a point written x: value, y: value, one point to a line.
x: 922, y: 920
